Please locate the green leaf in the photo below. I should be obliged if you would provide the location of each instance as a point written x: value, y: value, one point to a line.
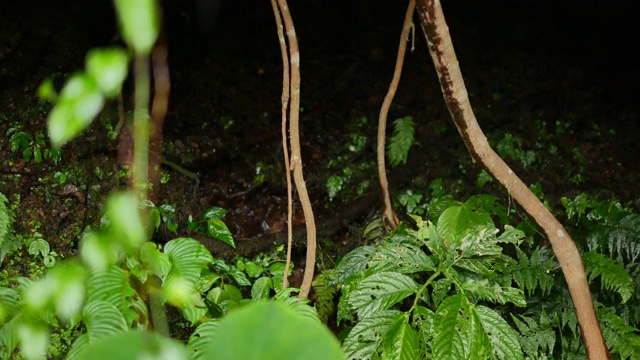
x: 34, y: 339
x: 61, y: 289
x: 402, y: 341
x: 504, y: 338
x: 271, y: 331
x: 334, y: 185
x: 367, y: 334
x: 379, y: 292
x: 199, y: 340
x: 401, y: 141
x: 139, y: 23
x: 352, y: 264
x: 457, y: 220
x: 253, y: 269
x: 447, y: 342
x: 494, y: 292
x: 218, y: 230
x: 102, y: 319
x: 261, y: 288
x: 39, y: 246
x: 614, y: 276
x: 47, y: 92
x: 109, y: 67
x: 214, y: 213
x: 112, y: 286
x: 126, y: 225
x: 157, y: 262
x: 79, y: 103
x: 188, y: 257
x: 402, y: 258
x: 133, y: 345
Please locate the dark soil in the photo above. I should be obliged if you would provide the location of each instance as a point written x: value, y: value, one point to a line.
x: 562, y: 76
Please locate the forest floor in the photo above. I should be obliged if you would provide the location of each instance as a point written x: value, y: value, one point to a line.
x: 558, y: 101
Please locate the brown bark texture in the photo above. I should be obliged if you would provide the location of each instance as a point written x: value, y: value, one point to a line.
x: 454, y: 91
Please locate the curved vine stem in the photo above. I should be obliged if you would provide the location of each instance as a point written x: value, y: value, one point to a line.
x: 285, y: 143
x: 293, y: 90
x: 389, y: 215
x: 436, y: 31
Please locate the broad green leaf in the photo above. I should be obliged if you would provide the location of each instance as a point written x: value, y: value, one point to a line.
x: 139, y: 24
x: 253, y: 269
x: 98, y: 251
x: 109, y: 67
x: 61, y: 289
x: 504, y: 338
x: 354, y: 263
x: 39, y: 246
x: 111, y: 285
x: 457, y: 220
x: 80, y: 102
x: 199, y: 340
x: 126, y: 225
x: 402, y: 258
x: 157, y: 262
x: 214, y: 213
x: 34, y: 339
x: 134, y: 345
x: 188, y: 258
x: 447, y: 342
x: 261, y: 288
x: 379, y: 292
x: 367, y: 334
x: 9, y: 338
x: 271, y: 331
x: 401, y: 342
x: 217, y: 229
x: 102, y: 320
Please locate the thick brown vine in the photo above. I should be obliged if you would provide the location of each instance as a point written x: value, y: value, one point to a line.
x: 455, y: 95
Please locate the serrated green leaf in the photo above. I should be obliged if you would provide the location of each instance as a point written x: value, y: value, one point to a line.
x: 352, y: 264
x: 379, y: 292
x: 455, y: 221
x: 367, y: 334
x: 402, y: 258
x: 447, y: 342
x: 504, y: 338
x: 401, y: 341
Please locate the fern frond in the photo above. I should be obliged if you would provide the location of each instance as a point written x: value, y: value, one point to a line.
x: 401, y: 141
x: 614, y: 277
x: 324, y: 295
x: 529, y: 273
x: 536, y: 338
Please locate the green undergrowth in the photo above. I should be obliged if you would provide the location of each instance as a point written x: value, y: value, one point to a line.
x: 458, y: 287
